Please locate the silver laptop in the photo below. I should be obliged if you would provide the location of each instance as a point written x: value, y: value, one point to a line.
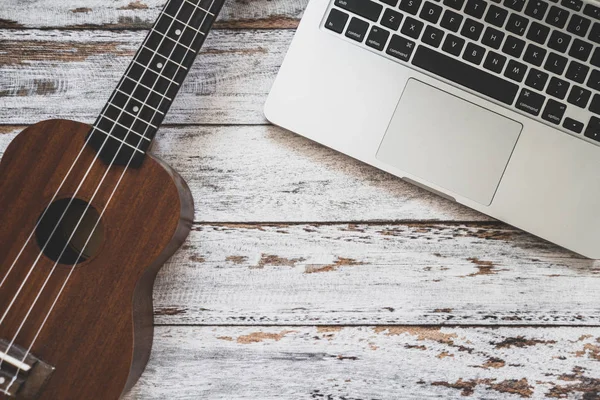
x: 493, y: 104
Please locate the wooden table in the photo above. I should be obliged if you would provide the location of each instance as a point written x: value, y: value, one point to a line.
x: 307, y: 274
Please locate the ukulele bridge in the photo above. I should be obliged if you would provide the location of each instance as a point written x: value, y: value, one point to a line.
x: 22, y: 375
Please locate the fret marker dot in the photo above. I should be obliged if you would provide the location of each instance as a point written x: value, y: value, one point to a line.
x: 159, y: 65
x: 178, y: 32
x: 136, y: 109
x: 2, y: 380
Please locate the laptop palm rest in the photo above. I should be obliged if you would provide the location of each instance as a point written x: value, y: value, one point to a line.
x: 449, y: 142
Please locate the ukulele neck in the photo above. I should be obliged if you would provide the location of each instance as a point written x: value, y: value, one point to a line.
x: 128, y: 123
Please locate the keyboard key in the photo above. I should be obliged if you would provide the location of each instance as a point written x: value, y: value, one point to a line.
x: 451, y: 20
x: 377, y: 38
x: 494, y: 62
x: 559, y: 41
x: 456, y: 4
x: 433, y: 36
x: 535, y: 55
x: 390, y: 2
x: 572, y: 4
x: 594, y: 80
x: 555, y: 64
x: 496, y: 16
x: 474, y: 53
x: 573, y: 125
x: 579, y: 96
x: 410, y: 6
x: 596, y: 57
x: 530, y: 102
x: 453, y: 45
x: 593, y: 129
x: 466, y: 75
x: 492, y: 37
x: 517, y: 24
x: 400, y: 48
x: 365, y: 8
x: 515, y: 71
x: 431, y: 12
x: 577, y: 72
x: 557, y: 17
x: 592, y: 11
x: 536, y: 9
x: 513, y: 46
x: 595, y: 33
x: 558, y: 88
x: 516, y: 5
x: 595, y: 104
x: 475, y: 8
x: 538, y: 33
x: 357, y: 29
x: 391, y: 19
x: 412, y: 27
x: 536, y: 79
x: 578, y: 25
x: 471, y: 29
x: 554, y: 111
x: 336, y: 21
x: 581, y: 50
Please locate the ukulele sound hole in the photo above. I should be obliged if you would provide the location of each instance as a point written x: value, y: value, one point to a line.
x: 70, y: 233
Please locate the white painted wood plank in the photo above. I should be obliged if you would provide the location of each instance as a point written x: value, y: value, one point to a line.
x: 71, y: 74
x: 371, y: 363
x: 128, y: 14
x: 265, y: 174
x: 348, y: 274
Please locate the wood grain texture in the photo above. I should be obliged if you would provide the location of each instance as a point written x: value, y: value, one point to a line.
x: 46, y: 74
x: 356, y: 274
x: 372, y: 363
x: 266, y: 174
x: 96, y: 317
x: 140, y: 14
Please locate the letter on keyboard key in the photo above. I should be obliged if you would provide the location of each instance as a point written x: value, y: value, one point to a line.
x: 554, y: 111
x: 365, y: 8
x: 530, y: 102
x: 593, y: 129
x: 400, y: 48
x: 466, y: 75
x: 336, y: 21
x: 357, y: 29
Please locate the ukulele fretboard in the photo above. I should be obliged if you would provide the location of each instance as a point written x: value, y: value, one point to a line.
x: 129, y: 121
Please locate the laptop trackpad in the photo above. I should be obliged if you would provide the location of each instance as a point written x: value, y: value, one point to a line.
x: 450, y: 142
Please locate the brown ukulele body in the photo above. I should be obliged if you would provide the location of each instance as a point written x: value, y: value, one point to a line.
x: 99, y: 334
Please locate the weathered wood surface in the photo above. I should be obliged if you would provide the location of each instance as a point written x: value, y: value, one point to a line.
x: 135, y: 14
x: 356, y: 274
x: 70, y: 74
x: 372, y: 363
x: 292, y: 234
x: 266, y: 174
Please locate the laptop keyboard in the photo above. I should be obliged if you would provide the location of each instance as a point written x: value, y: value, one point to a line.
x: 539, y: 58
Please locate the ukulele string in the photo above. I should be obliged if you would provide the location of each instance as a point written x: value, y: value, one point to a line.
x: 82, y: 181
x: 61, y: 185
x: 103, y: 211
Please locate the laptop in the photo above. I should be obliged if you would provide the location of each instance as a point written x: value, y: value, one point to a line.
x: 494, y: 104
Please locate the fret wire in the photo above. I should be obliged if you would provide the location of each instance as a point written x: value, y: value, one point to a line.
x: 133, y: 115
x: 158, y: 54
x: 198, y: 7
x: 131, y: 129
x: 145, y: 105
x: 117, y: 139
x: 147, y: 68
x: 186, y: 25
x: 145, y: 87
x: 177, y: 42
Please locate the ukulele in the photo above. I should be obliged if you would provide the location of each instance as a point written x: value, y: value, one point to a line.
x: 89, y: 216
